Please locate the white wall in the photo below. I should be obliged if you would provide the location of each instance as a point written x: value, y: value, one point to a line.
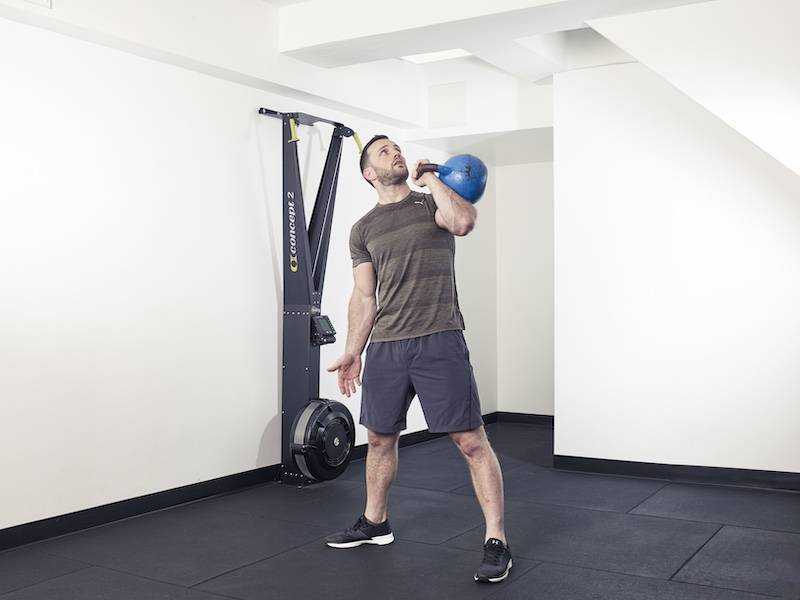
x: 476, y: 259
x: 676, y: 291
x: 139, y: 262
x: 137, y: 306
x: 525, y: 289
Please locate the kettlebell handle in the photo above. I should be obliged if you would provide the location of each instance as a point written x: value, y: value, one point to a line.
x: 432, y: 168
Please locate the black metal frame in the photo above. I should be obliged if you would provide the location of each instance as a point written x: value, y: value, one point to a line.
x: 305, y: 254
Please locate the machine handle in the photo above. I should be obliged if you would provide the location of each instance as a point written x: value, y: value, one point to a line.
x: 358, y: 142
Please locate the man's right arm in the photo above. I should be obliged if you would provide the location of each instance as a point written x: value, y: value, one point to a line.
x: 360, y: 319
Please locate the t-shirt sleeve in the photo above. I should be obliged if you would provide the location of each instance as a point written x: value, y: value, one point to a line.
x: 358, y: 249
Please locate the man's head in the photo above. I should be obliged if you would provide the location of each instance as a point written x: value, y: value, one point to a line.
x: 382, y: 160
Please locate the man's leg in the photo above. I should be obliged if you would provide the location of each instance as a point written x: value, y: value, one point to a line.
x: 487, y: 478
x: 381, y: 471
x: 373, y: 527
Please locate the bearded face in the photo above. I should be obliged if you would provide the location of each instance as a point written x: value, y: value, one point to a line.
x: 395, y: 174
x: 387, y: 163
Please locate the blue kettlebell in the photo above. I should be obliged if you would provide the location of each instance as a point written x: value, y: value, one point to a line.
x: 464, y: 173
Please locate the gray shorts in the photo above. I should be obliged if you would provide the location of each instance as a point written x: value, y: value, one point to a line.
x: 434, y: 367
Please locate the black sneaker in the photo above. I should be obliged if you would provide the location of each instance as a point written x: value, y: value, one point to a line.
x: 496, y: 562
x: 363, y: 532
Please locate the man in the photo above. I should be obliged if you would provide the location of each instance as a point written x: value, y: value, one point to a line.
x: 403, y: 250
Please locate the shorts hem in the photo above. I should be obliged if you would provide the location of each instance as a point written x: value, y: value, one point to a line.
x: 383, y: 430
x: 456, y: 429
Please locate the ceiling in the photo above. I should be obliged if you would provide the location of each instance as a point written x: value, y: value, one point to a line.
x: 529, y: 40
x: 525, y: 38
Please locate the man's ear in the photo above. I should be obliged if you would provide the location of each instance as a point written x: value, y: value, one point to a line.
x: 369, y: 174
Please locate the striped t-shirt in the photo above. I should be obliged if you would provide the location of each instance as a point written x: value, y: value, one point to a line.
x: 414, y: 262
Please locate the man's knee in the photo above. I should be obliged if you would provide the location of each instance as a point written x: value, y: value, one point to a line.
x: 472, y: 443
x: 382, y: 442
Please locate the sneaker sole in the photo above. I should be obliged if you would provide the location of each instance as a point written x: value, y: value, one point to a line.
x: 380, y: 540
x: 497, y: 579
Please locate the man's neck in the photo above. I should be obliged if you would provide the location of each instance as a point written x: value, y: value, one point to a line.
x: 393, y: 194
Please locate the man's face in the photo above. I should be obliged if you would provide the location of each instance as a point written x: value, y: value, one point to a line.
x: 386, y: 160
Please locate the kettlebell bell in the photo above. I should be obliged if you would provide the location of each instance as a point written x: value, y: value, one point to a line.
x: 464, y: 173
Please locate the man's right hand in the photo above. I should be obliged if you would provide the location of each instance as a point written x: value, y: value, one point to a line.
x: 349, y: 368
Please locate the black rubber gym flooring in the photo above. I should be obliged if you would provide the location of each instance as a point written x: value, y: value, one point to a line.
x: 573, y: 537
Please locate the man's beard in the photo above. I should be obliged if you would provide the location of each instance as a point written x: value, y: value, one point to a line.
x: 392, y: 176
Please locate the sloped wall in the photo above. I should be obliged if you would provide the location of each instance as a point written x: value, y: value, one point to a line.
x: 736, y: 58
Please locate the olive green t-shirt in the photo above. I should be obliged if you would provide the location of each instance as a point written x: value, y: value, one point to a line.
x: 414, y: 262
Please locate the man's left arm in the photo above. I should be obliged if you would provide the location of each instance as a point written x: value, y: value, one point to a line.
x: 453, y: 213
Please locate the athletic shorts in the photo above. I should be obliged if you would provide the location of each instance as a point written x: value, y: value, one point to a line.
x: 434, y: 367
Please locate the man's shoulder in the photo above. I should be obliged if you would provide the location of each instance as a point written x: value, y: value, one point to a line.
x: 366, y: 217
x: 389, y: 213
